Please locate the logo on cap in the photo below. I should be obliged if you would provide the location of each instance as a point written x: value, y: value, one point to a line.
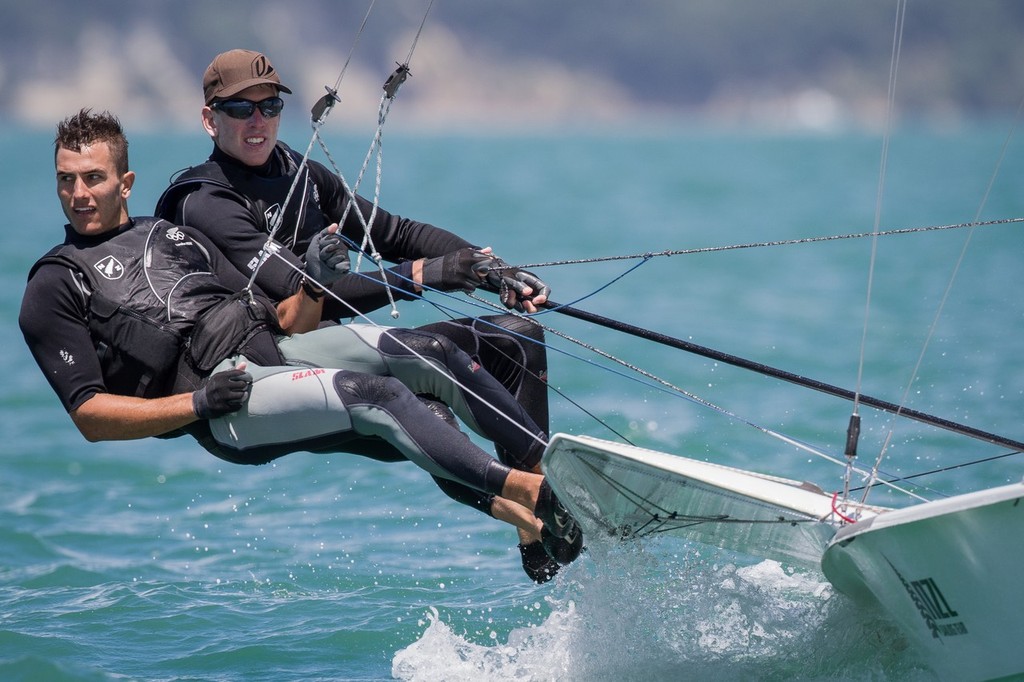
x: 261, y: 67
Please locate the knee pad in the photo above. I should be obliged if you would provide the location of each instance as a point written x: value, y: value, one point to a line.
x: 518, y: 326
x: 409, y: 342
x: 443, y: 412
x: 356, y: 388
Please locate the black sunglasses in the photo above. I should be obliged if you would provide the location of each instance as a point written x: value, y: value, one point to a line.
x: 243, y: 108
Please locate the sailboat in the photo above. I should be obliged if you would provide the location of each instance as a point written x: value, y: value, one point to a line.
x: 944, y: 570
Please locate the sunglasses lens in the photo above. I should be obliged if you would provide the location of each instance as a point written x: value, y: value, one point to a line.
x: 271, y: 107
x: 243, y: 108
x: 236, y: 108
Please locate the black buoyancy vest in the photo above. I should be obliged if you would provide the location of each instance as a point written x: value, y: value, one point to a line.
x: 262, y: 196
x: 146, y: 287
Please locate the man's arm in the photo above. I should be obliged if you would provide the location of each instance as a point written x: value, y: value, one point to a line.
x: 428, y: 255
x: 398, y: 240
x: 106, y: 416
x: 52, y: 320
x: 326, y: 261
x: 299, y: 313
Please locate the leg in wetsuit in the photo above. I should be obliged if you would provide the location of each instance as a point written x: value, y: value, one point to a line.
x: 294, y: 409
x: 512, y: 350
x: 424, y: 362
x: 517, y: 357
x: 361, y: 347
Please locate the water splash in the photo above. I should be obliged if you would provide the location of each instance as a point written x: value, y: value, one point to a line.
x: 665, y: 611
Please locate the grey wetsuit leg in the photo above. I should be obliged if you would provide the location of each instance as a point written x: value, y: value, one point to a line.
x: 309, y: 408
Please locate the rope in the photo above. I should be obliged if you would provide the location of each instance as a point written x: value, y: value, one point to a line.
x: 357, y: 314
x: 781, y: 242
x: 376, y: 150
x: 352, y: 50
x: 318, y: 117
x: 680, y: 392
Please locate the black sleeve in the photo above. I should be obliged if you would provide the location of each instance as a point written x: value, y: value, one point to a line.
x: 397, y: 239
x: 225, y: 221
x: 53, y: 322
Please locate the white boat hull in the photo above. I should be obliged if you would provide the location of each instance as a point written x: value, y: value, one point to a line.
x: 626, y: 491
x: 949, y: 573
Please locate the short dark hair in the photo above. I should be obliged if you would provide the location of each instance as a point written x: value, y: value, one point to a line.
x: 85, y: 128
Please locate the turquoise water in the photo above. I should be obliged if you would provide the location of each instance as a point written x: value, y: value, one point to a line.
x: 153, y: 561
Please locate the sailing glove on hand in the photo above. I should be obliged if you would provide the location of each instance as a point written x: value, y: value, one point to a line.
x: 510, y: 282
x: 463, y: 269
x: 224, y: 393
x: 326, y: 258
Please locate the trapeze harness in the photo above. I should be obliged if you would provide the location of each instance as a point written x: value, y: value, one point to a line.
x: 147, y: 287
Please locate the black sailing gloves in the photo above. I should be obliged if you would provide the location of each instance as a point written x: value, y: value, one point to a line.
x: 463, y: 269
x: 326, y: 257
x: 510, y: 282
x: 223, y: 394
x: 468, y: 268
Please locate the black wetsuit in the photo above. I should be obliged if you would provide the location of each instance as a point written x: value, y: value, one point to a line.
x: 235, y: 204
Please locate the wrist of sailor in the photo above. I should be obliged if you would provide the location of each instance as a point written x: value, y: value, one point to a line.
x: 417, y: 275
x: 311, y: 289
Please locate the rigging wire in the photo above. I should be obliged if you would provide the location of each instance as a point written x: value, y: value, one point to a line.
x: 376, y: 151
x: 667, y: 387
x: 781, y: 242
x: 355, y: 43
x: 951, y: 467
x: 949, y: 288
x: 318, y: 117
x: 432, y: 365
x: 853, y: 430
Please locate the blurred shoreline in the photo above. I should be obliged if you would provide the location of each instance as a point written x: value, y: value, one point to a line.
x: 793, y: 65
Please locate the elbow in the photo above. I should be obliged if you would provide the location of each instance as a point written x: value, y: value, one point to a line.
x: 89, y: 429
x: 89, y: 432
x: 91, y: 437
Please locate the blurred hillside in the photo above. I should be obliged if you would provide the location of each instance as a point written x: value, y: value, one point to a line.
x: 790, y: 63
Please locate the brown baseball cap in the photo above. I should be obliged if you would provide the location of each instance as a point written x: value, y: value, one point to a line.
x: 235, y: 70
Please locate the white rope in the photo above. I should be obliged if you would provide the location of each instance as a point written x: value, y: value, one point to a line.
x: 317, y: 122
x: 376, y: 150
